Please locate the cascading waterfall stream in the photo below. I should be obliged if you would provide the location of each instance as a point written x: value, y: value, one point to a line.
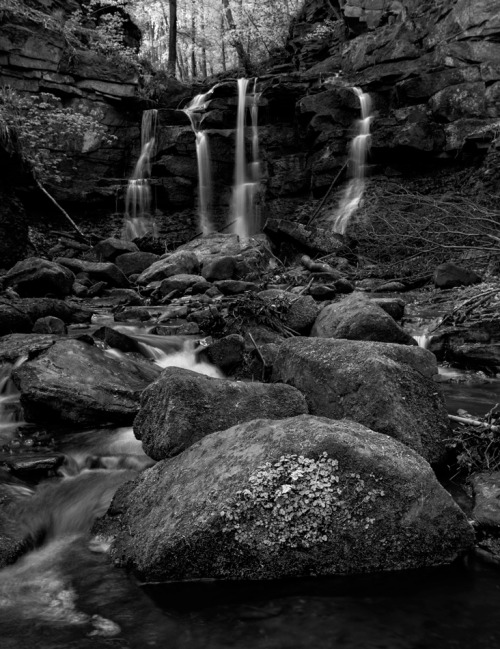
x: 10, y: 409
x: 138, y: 221
x: 246, y: 177
x: 353, y: 193
x: 194, y: 112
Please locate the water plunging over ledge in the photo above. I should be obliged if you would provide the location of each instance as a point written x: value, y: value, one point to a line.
x: 353, y: 193
x: 194, y: 112
x: 246, y: 176
x: 138, y: 221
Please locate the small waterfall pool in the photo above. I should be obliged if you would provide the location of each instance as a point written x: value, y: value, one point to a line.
x: 64, y: 593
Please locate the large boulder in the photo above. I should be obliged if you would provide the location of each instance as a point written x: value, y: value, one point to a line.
x: 182, y: 406
x: 270, y: 499
x: 355, y: 317
x: 177, y: 263
x: 97, y: 271
x: 449, y: 275
x: 35, y: 277
x: 386, y: 387
x: 111, y: 248
x: 301, y: 310
x: 249, y: 256
x: 12, y: 319
x: 19, y: 315
x: 76, y: 382
x: 134, y: 263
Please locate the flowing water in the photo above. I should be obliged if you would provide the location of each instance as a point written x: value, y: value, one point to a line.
x: 64, y: 593
x: 355, y: 188
x: 246, y: 175
x: 195, y: 112
x: 138, y: 220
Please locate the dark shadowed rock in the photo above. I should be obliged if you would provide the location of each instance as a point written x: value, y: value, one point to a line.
x: 394, y: 306
x: 133, y: 263
x: 386, y: 387
x: 302, y: 309
x: 111, y: 248
x: 182, y: 282
x: 176, y: 263
x: 450, y: 275
x: 13, y: 319
x: 19, y: 315
x: 97, y: 271
x: 235, y: 286
x: 49, y: 325
x: 297, y: 497
x: 219, y: 267
x: 252, y: 255
x: 76, y: 382
x: 45, y: 306
x: 226, y: 353
x: 356, y: 317
x: 36, y: 277
x: 116, y: 339
x: 182, y: 406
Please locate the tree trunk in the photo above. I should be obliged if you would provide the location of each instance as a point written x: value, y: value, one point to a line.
x: 172, y: 38
x: 243, y: 59
x: 194, y: 70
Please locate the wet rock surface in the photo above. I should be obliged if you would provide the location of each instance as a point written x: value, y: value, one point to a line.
x: 385, y: 387
x: 182, y: 406
x: 76, y: 382
x: 185, y: 517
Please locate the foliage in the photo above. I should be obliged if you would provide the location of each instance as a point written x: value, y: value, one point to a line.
x: 103, y: 33
x: 294, y: 502
x: 322, y: 31
x: 243, y: 311
x: 47, y: 132
x: 85, y: 28
x: 206, y: 43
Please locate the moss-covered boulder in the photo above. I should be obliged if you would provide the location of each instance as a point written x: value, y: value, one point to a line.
x: 299, y: 496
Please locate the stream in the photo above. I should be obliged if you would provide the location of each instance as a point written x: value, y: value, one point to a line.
x: 65, y: 593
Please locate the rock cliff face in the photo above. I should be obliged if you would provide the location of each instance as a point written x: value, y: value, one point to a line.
x: 38, y: 55
x: 432, y: 68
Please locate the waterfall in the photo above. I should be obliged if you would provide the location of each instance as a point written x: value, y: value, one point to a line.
x: 138, y: 220
x: 246, y: 181
x: 194, y: 112
x: 10, y: 409
x: 357, y: 163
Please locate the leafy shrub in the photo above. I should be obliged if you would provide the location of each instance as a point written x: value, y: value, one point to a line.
x: 294, y: 501
x: 47, y: 132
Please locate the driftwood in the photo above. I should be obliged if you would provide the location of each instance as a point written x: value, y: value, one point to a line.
x: 61, y: 209
x: 474, y: 422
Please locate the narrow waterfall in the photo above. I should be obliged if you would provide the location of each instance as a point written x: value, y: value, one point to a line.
x: 10, y: 408
x: 246, y: 177
x: 357, y: 162
x: 138, y: 221
x: 194, y: 112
